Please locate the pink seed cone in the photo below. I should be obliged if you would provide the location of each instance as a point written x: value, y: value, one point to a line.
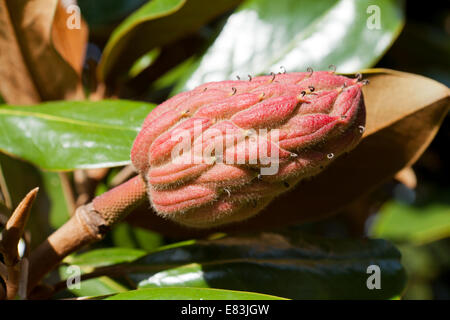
x: 297, y: 123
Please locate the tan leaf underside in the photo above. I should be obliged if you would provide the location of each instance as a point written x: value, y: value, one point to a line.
x: 33, y: 63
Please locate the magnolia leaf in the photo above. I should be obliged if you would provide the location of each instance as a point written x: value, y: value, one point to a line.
x: 104, y: 257
x: 264, y: 35
x: 292, y: 266
x: 103, y: 15
x: 16, y: 82
x: 407, y: 177
x: 155, y: 24
x: 93, y: 287
x: 34, y: 68
x: 70, y: 34
x: 190, y: 294
x: 288, y: 264
x: 67, y: 135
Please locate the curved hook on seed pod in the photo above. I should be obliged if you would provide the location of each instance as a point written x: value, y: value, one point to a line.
x: 273, y: 76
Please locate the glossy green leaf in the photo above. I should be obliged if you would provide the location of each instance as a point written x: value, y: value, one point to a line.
x: 264, y: 35
x: 190, y: 294
x: 65, y: 135
x: 173, y: 76
x: 190, y: 275
x: 104, y: 257
x: 86, y: 262
x: 155, y: 24
x: 143, y: 62
x: 290, y: 266
x: 93, y: 287
x: 416, y: 224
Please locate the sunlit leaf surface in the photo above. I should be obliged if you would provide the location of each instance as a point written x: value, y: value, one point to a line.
x: 66, y: 135
x: 296, y: 34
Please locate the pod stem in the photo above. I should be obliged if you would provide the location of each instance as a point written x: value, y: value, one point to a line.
x: 89, y: 224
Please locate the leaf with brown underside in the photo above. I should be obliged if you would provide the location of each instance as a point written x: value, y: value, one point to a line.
x: 404, y: 113
x: 33, y: 69
x: 407, y: 177
x: 70, y: 43
x: 16, y: 84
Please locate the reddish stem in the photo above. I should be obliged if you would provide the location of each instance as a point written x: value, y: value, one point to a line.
x: 90, y: 223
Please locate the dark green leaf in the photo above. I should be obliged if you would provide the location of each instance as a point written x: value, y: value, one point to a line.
x: 190, y: 294
x: 264, y: 35
x: 290, y: 266
x: 156, y: 24
x: 66, y: 135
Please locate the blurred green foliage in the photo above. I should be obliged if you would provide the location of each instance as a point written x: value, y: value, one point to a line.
x: 413, y: 223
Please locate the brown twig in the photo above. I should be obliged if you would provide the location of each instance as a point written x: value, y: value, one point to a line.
x: 15, y: 227
x: 407, y: 177
x: 2, y: 292
x: 86, y: 182
x: 123, y: 175
x: 3, y: 271
x: 97, y: 174
x: 3, y: 218
x: 23, y: 279
x: 11, y: 235
x: 90, y: 223
x: 99, y: 93
x: 84, y: 186
x: 12, y: 281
